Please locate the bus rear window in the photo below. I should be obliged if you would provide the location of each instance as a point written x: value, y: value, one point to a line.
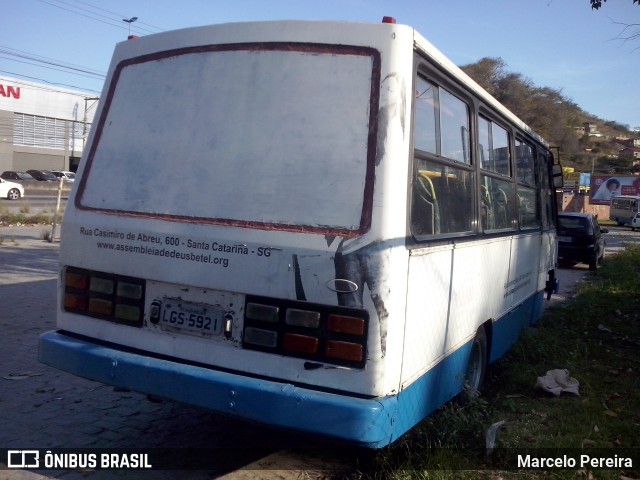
x: 260, y: 135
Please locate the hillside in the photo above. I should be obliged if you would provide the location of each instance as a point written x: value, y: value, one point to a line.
x: 559, y: 120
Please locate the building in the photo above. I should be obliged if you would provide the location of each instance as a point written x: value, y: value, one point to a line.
x: 591, y: 129
x: 42, y: 126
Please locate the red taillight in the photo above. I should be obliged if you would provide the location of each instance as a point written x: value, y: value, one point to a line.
x: 300, y: 343
x: 75, y: 302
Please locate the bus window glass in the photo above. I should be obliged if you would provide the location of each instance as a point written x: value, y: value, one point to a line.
x: 501, y: 160
x: 425, y: 117
x: 497, y: 204
x: 454, y: 127
x: 525, y: 163
x: 316, y: 143
x: 442, y: 200
x: 528, y: 208
x: 546, y: 191
x: 484, y: 142
x: 494, y: 147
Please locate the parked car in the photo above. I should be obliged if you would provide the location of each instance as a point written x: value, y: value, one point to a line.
x: 10, y: 190
x: 635, y: 222
x: 580, y: 240
x: 68, y: 176
x: 43, y: 175
x: 18, y: 176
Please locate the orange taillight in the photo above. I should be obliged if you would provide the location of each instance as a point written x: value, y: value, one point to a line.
x: 351, y: 352
x: 344, y: 324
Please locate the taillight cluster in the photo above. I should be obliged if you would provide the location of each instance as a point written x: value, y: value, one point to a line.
x: 317, y: 332
x: 103, y: 295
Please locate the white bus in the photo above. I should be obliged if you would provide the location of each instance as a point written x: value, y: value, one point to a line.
x: 320, y: 226
x: 624, y: 208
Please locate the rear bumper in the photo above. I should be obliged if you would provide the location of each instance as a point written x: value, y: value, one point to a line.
x: 367, y: 422
x: 577, y: 254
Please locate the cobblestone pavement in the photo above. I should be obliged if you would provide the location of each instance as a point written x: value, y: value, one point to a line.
x: 41, y: 407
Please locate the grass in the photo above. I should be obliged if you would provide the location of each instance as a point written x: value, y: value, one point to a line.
x: 596, y: 336
x: 7, y: 218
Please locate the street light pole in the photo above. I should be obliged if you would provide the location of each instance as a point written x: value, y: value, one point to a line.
x: 130, y: 21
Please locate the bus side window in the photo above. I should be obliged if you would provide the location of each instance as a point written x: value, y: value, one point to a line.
x: 442, y: 200
x: 497, y: 203
x: 528, y: 205
x: 546, y: 191
x: 443, y: 186
x: 497, y: 190
x: 425, y: 116
x: 425, y: 215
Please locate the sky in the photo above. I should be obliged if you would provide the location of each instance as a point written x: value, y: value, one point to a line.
x: 562, y: 44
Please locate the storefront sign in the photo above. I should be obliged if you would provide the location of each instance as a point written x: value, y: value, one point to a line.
x: 9, y: 91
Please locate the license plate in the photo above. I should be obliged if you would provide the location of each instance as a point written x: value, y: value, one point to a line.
x: 565, y: 239
x: 193, y: 318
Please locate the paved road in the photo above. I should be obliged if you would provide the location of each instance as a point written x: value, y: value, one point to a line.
x: 570, y: 278
x: 41, y: 407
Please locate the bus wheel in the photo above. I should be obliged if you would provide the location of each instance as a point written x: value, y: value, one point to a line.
x: 477, y: 364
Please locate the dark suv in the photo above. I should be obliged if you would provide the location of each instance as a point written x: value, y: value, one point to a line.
x: 43, y: 175
x: 580, y: 240
x: 16, y: 176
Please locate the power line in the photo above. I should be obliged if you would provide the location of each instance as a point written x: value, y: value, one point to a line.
x: 81, y: 14
x: 115, y: 21
x: 48, y: 82
x: 28, y: 58
x: 119, y: 15
x: 48, y: 59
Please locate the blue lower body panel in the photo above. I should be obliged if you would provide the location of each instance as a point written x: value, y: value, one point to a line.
x: 373, y: 422
x: 368, y: 422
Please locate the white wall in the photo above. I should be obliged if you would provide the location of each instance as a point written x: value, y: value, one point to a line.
x: 44, y: 100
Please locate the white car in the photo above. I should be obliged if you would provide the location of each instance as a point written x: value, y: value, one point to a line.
x: 68, y: 176
x: 635, y: 222
x: 11, y: 190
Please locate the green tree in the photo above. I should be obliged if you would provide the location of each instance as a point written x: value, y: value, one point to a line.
x: 545, y: 109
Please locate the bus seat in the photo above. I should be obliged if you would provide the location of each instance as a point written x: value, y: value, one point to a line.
x: 425, y: 213
x: 502, y: 209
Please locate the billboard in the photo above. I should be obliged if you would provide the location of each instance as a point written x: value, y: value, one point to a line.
x: 571, y: 180
x: 603, y: 187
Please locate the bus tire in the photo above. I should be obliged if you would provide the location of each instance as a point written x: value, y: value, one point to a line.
x: 477, y: 363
